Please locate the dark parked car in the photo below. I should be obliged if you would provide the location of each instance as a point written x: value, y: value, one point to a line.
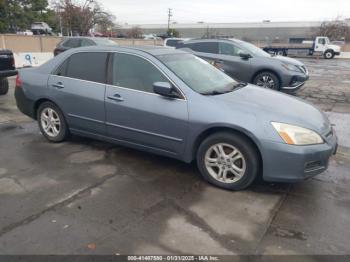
x: 7, y: 68
x: 74, y: 42
x: 172, y: 103
x: 246, y: 62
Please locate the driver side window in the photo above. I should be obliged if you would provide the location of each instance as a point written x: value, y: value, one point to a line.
x: 229, y: 49
x: 134, y: 72
x: 321, y: 41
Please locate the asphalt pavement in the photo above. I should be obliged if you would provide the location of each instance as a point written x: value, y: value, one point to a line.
x: 89, y: 197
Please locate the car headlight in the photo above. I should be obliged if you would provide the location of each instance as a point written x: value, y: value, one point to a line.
x: 291, y: 67
x: 295, y: 135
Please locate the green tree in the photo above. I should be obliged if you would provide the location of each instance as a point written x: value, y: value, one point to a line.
x: 173, y: 33
x: 18, y: 15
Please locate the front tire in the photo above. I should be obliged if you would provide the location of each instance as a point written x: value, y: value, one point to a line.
x: 268, y: 80
x: 52, y: 123
x: 4, y: 86
x: 228, y: 160
x: 328, y: 54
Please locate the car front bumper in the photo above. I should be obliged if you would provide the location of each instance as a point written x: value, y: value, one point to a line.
x: 294, y: 82
x: 290, y: 163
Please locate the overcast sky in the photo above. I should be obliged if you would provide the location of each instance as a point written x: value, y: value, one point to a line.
x: 189, y: 11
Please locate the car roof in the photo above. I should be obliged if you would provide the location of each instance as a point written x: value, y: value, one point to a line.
x: 84, y: 37
x: 202, y: 40
x: 152, y: 50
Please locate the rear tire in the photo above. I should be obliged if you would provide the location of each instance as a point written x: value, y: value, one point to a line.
x: 268, y: 80
x: 4, y: 86
x: 234, y: 169
x: 52, y: 123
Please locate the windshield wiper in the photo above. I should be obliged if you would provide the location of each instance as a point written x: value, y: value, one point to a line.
x: 213, y: 93
x: 216, y: 92
x: 240, y: 84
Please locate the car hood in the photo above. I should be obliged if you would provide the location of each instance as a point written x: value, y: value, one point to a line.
x: 336, y: 48
x: 287, y: 60
x: 273, y: 106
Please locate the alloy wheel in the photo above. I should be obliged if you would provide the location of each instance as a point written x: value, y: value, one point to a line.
x: 50, y: 122
x: 266, y: 81
x: 225, y: 163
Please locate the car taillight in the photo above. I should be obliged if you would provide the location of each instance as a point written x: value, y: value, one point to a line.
x: 18, y: 82
x: 13, y: 62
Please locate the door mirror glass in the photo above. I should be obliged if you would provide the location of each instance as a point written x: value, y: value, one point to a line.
x: 245, y: 55
x: 164, y: 89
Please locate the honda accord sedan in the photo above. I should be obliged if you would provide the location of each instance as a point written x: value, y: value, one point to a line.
x: 175, y: 104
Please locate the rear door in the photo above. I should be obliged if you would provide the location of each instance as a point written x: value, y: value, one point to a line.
x: 139, y: 117
x: 78, y: 87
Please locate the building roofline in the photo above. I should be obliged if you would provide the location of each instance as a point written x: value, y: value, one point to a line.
x: 290, y: 24
x: 228, y: 25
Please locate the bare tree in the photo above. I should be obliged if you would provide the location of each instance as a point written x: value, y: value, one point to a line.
x: 134, y: 32
x: 336, y: 30
x: 79, y: 17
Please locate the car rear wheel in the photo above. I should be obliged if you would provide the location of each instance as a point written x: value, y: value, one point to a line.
x: 267, y: 80
x: 52, y: 123
x: 228, y: 160
x: 4, y: 86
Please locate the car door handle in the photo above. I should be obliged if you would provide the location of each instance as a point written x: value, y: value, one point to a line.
x: 58, y: 85
x: 116, y: 97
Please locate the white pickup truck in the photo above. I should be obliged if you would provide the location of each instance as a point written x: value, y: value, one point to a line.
x: 321, y: 45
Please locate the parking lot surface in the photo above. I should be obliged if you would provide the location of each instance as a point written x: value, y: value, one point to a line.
x: 89, y: 197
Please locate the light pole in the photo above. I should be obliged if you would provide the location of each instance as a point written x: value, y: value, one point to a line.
x: 169, y: 17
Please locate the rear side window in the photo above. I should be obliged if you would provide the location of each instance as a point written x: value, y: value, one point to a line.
x: 172, y: 42
x: 204, y: 47
x: 62, y: 69
x: 72, y: 43
x: 134, y: 72
x: 85, y: 66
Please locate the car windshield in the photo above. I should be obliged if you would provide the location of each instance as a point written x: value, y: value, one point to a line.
x: 198, y: 74
x: 254, y: 50
x: 104, y: 41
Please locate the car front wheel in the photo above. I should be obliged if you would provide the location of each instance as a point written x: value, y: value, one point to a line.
x: 52, y: 123
x: 267, y: 80
x: 328, y: 54
x: 228, y: 160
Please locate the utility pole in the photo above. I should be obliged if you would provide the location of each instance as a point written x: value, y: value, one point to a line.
x: 170, y: 14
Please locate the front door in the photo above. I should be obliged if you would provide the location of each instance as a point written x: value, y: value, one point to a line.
x: 78, y: 88
x: 321, y: 44
x: 136, y: 115
x: 231, y: 62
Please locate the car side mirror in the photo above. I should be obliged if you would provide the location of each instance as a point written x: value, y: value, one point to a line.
x: 165, y: 89
x: 245, y: 56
